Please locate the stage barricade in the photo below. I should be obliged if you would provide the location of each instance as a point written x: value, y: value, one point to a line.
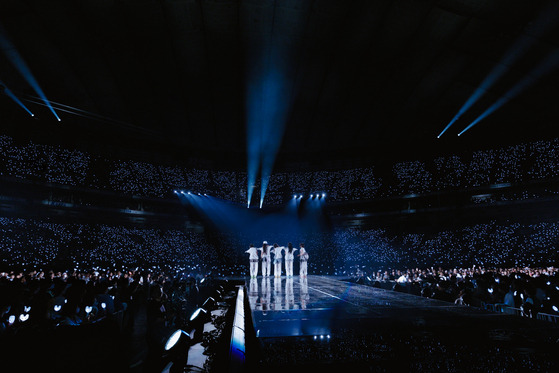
x: 547, y: 317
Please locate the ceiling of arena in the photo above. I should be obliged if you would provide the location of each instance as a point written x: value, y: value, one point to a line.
x: 367, y: 78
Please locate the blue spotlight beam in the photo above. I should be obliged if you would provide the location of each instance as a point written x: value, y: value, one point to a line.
x: 544, y: 22
x: 545, y: 67
x: 274, y: 110
x: 10, y: 94
x: 15, y: 58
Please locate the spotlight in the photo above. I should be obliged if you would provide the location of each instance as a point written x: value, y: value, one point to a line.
x: 323, y: 195
x: 189, y: 193
x: 11, y: 319
x: 301, y: 196
x: 23, y: 317
x: 312, y: 195
x: 196, y: 314
x: 57, y: 307
x: 103, y: 305
x: 26, y: 309
x: 555, y: 308
x: 197, y: 321
x: 295, y: 196
x: 177, y: 336
x: 88, y: 309
x: 209, y: 304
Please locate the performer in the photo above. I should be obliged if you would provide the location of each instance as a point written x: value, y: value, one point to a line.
x: 289, y: 256
x: 266, y: 262
x: 277, y: 259
x: 253, y: 258
x: 304, y: 256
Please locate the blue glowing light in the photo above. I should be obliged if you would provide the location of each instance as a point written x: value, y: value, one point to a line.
x: 17, y: 61
x: 545, y: 21
x: 15, y: 99
x: 174, y: 338
x: 268, y: 93
x: 550, y: 63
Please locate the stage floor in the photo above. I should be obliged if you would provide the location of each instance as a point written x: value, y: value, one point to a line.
x: 325, y: 321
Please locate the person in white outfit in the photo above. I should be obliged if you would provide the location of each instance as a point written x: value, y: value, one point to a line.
x: 304, y: 257
x: 289, y: 257
x: 277, y: 259
x: 253, y: 258
x: 266, y: 262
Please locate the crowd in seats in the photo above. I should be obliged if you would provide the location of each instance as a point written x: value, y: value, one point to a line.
x: 527, y: 289
x: 49, y: 298
x: 91, y: 314
x: 27, y: 244
x: 410, y: 261
x: 521, y: 163
x: 30, y: 243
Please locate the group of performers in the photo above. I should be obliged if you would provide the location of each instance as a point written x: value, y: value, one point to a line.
x: 280, y: 252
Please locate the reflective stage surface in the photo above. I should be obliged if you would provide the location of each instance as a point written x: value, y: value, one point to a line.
x: 316, y: 305
x: 331, y: 323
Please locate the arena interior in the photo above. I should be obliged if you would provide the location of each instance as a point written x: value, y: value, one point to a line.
x: 411, y: 147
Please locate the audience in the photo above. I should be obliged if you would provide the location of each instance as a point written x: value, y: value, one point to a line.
x: 522, y: 163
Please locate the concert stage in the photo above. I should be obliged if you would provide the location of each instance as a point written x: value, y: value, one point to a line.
x: 322, y: 322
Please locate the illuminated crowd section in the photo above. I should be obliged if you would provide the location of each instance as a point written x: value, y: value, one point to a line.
x: 27, y: 244
x: 521, y: 163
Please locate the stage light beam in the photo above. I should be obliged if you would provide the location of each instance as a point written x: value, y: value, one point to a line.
x: 550, y: 63
x: 19, y: 63
x: 545, y: 21
x: 11, y: 95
